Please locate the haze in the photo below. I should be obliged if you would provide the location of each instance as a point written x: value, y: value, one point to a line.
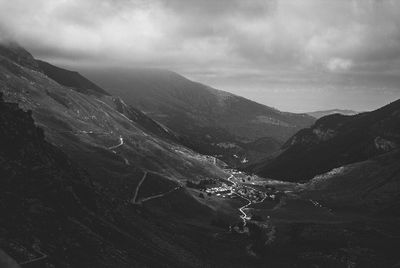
x: 293, y: 55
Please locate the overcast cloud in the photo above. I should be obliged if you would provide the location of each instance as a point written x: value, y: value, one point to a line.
x: 294, y: 55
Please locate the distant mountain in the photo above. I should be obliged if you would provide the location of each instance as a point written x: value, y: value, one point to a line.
x: 336, y: 140
x: 210, y: 121
x: 319, y: 114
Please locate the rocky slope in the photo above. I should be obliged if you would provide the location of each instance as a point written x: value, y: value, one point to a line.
x: 210, y: 121
x: 334, y: 141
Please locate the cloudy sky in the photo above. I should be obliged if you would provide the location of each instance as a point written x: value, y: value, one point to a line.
x: 295, y: 55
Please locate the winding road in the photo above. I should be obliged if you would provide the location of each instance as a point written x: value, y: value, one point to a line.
x: 159, y: 195
x: 244, y: 216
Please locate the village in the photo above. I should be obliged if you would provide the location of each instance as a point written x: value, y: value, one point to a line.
x: 239, y: 184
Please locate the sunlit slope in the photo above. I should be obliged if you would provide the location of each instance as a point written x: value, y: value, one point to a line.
x: 86, y: 124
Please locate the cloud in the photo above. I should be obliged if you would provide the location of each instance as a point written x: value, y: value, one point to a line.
x: 230, y: 33
x: 209, y: 38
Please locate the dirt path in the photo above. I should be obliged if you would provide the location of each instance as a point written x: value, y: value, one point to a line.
x: 133, y: 201
x: 159, y: 195
x: 135, y: 197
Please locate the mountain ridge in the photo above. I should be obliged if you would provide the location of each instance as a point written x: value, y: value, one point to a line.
x: 322, y: 113
x: 70, y: 79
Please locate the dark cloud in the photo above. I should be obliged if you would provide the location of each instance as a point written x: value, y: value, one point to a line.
x: 234, y: 44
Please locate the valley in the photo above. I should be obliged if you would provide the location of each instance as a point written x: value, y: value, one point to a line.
x: 210, y: 121
x: 92, y: 181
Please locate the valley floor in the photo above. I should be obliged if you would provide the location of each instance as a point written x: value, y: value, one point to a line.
x: 283, y: 227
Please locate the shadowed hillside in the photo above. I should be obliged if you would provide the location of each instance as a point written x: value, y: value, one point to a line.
x: 336, y: 140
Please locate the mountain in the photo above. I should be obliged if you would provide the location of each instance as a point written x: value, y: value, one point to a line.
x: 82, y: 84
x: 47, y: 203
x: 319, y: 114
x: 79, y: 121
x: 336, y: 140
x: 89, y: 181
x: 209, y: 121
x: 54, y: 214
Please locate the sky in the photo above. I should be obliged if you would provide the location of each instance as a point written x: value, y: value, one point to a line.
x: 294, y: 55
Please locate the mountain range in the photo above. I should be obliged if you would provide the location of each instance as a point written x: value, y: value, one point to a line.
x: 119, y: 171
x: 319, y: 114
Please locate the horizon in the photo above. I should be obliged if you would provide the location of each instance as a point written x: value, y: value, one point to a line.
x: 294, y: 57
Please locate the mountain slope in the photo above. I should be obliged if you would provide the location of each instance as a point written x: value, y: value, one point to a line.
x: 334, y: 141
x: 211, y: 121
x: 71, y: 79
x: 53, y: 214
x: 77, y: 82
x: 369, y: 186
x: 80, y: 122
x: 50, y: 210
x: 109, y: 219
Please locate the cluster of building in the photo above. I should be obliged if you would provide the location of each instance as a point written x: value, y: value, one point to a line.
x: 251, y: 194
x: 224, y: 190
